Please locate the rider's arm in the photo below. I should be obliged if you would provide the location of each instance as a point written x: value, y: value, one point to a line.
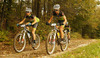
x: 34, y: 20
x: 50, y: 19
x: 65, y: 20
x: 27, y: 23
x: 69, y: 28
x: 22, y: 21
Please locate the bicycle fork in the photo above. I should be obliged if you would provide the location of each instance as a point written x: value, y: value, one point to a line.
x: 22, y: 37
x: 52, y: 37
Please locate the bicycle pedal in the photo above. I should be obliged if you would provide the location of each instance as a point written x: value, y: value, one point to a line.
x: 68, y: 40
x: 33, y: 45
x: 62, y: 43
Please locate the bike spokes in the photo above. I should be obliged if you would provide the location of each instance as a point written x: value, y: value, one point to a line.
x: 65, y: 45
x: 50, y: 43
x: 19, y: 43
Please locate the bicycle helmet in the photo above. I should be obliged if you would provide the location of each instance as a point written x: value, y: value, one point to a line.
x: 28, y: 10
x: 56, y: 6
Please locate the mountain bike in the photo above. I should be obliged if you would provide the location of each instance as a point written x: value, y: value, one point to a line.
x: 20, y: 40
x: 53, y: 38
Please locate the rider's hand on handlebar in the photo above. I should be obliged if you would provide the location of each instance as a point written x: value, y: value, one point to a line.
x: 29, y: 24
x: 17, y: 24
x: 47, y: 23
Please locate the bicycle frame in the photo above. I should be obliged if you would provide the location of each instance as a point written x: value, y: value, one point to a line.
x: 20, y: 39
x: 24, y: 32
x: 55, y: 30
x: 51, y: 40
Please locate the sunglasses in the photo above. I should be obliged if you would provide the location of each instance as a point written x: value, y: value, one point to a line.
x: 56, y: 10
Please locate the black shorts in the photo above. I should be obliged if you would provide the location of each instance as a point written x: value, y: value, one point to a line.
x: 35, y: 25
x: 67, y: 28
x: 60, y: 22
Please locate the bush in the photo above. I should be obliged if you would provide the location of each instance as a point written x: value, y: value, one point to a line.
x: 76, y: 35
x: 43, y: 30
x: 86, y: 36
x: 3, y: 36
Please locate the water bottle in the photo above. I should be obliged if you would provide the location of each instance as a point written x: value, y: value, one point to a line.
x: 58, y: 34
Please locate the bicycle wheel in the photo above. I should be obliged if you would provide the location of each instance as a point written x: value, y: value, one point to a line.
x: 37, y: 45
x: 19, y: 43
x: 50, y: 43
x: 65, y: 45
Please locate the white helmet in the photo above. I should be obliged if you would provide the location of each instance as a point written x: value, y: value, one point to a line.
x: 56, y: 6
x: 28, y: 9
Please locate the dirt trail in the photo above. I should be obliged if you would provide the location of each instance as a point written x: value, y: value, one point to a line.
x: 8, y: 51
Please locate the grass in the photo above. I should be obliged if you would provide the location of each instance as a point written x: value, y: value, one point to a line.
x: 90, y: 51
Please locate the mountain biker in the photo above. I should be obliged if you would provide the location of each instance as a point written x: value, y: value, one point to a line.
x: 61, y: 18
x: 30, y: 20
x: 67, y: 26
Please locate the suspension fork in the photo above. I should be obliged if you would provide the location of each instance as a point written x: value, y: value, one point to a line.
x: 23, y: 33
x: 55, y: 31
x: 54, y: 36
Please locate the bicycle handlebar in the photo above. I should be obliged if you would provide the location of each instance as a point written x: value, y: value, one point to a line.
x: 53, y: 24
x: 23, y: 25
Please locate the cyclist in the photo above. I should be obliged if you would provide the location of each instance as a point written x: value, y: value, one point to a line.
x: 30, y: 20
x: 61, y: 19
x: 67, y: 26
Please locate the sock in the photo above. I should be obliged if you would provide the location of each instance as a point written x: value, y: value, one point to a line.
x: 34, y: 41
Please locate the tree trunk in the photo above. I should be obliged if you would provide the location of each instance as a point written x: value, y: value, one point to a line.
x: 38, y: 8
x: 20, y: 8
x: 2, y: 14
x: 45, y: 8
x: 35, y: 7
x: 50, y: 7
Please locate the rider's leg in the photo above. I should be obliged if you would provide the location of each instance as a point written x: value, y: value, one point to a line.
x: 27, y: 27
x: 68, y: 35
x: 33, y: 32
x: 68, y: 30
x: 57, y: 26
x: 61, y: 31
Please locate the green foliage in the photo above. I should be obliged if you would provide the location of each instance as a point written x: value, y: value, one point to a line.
x: 86, y: 36
x: 98, y: 31
x: 76, y: 35
x: 3, y: 36
x: 82, y: 15
x: 43, y: 30
x: 90, y: 51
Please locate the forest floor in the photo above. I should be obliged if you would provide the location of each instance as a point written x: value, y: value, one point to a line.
x: 7, y: 51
